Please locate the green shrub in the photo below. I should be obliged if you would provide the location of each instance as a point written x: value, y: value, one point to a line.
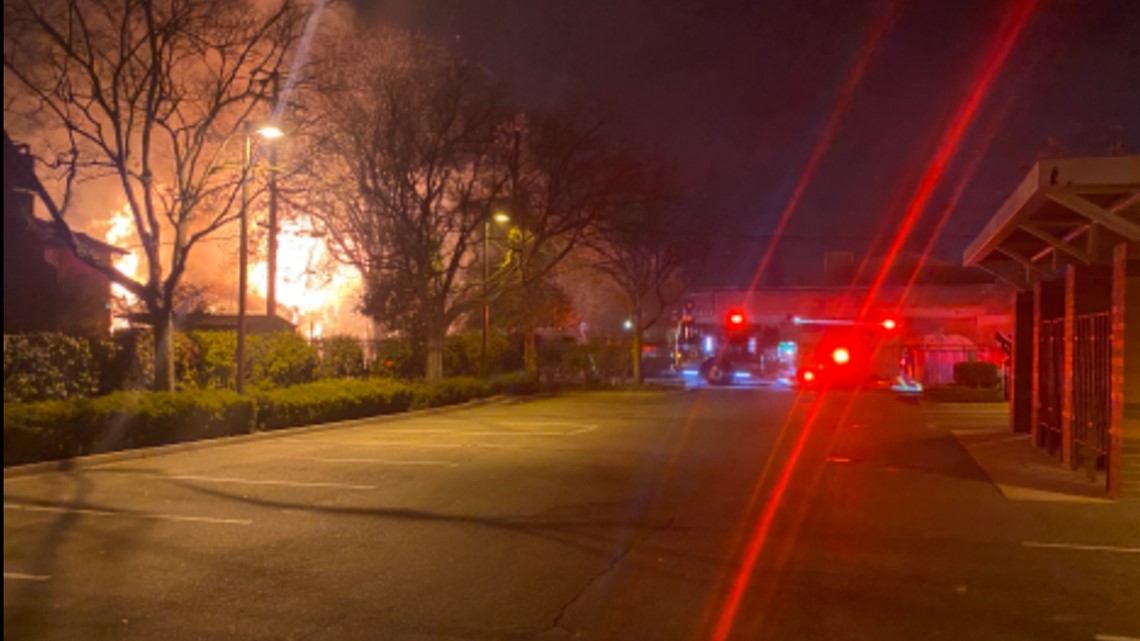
x: 330, y: 400
x: 126, y: 420
x: 48, y: 366
x: 58, y: 429
x: 340, y: 357
x: 216, y: 363
x: 50, y: 430
x: 44, y: 431
x: 515, y: 384
x: 976, y: 374
x: 449, y: 391
x: 392, y: 357
x: 281, y: 358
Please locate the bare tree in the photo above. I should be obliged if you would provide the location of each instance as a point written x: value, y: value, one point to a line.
x: 567, y: 169
x: 406, y: 156
x: 638, y: 248
x: 152, y: 97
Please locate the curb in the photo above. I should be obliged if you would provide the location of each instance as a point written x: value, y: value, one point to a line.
x: 95, y: 460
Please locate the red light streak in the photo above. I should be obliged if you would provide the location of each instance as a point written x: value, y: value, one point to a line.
x: 1015, y: 22
x: 823, y: 143
x: 1017, y: 18
x: 760, y: 534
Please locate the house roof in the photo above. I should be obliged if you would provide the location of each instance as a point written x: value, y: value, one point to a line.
x: 1057, y: 204
x: 254, y: 323
x: 19, y: 176
x: 47, y: 232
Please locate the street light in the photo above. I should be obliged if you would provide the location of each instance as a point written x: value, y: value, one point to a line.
x: 501, y: 218
x: 267, y: 132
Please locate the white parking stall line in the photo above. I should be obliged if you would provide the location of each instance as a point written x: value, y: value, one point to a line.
x: 384, y: 461
x: 581, y: 430
x: 274, y: 482
x: 20, y: 576
x: 451, y: 446
x: 54, y: 509
x: 1083, y: 548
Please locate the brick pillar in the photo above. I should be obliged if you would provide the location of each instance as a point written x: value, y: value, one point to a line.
x: 1124, y: 426
x: 1021, y: 387
x: 1067, y: 374
x: 1035, y: 393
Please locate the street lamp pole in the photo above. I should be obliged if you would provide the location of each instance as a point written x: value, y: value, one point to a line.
x: 268, y: 132
x: 243, y: 257
x: 486, y: 305
x: 271, y: 260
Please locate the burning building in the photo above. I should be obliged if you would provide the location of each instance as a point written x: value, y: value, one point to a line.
x: 47, y: 288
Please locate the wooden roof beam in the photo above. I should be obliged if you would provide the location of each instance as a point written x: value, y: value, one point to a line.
x: 1056, y: 243
x: 1103, y: 217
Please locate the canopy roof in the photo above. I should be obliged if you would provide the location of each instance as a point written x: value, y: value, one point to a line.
x: 1074, y: 209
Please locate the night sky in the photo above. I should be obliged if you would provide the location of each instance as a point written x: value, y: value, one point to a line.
x: 739, y: 92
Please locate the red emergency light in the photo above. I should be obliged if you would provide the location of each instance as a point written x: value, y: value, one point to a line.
x: 889, y: 324
x: 841, y: 356
x: 736, y: 319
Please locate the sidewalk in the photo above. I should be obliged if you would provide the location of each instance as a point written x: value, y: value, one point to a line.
x: 1020, y: 471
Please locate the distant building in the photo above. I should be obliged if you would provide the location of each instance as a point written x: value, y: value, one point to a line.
x: 207, y: 322
x: 47, y: 288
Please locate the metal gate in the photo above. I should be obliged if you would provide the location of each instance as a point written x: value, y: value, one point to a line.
x: 1051, y: 373
x: 1092, y: 359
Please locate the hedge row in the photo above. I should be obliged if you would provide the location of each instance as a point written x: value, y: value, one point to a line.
x: 52, y: 366
x: 51, y: 430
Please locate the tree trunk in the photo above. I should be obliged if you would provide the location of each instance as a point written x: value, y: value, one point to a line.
x: 433, y: 366
x: 164, y: 349
x: 636, y: 353
x: 530, y: 350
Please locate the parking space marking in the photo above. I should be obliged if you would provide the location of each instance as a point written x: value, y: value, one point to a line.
x: 223, y: 479
x: 383, y: 461
x: 20, y: 576
x: 1084, y: 548
x: 580, y: 428
x: 1114, y: 637
x: 56, y: 509
x: 453, y: 446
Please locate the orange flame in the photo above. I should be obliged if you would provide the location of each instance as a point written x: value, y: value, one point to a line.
x: 313, y: 290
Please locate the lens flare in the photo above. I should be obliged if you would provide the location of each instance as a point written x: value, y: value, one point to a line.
x: 1012, y: 27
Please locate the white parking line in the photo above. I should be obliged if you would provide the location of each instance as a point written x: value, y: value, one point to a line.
x: 1087, y: 548
x: 1114, y: 637
x: 453, y: 446
x: 135, y: 515
x: 383, y: 461
x: 579, y: 429
x: 222, y: 479
x: 20, y: 576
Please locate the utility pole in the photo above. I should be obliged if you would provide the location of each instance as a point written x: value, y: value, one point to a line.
x: 243, y: 258
x: 271, y: 260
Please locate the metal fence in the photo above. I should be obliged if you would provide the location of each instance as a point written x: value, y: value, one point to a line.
x: 1092, y: 356
x: 935, y: 363
x: 1051, y: 366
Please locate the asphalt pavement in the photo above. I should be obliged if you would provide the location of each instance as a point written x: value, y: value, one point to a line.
x: 689, y: 515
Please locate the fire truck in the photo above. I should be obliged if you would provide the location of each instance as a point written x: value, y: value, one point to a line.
x: 851, y: 353
x: 721, y: 353
x: 836, y: 352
